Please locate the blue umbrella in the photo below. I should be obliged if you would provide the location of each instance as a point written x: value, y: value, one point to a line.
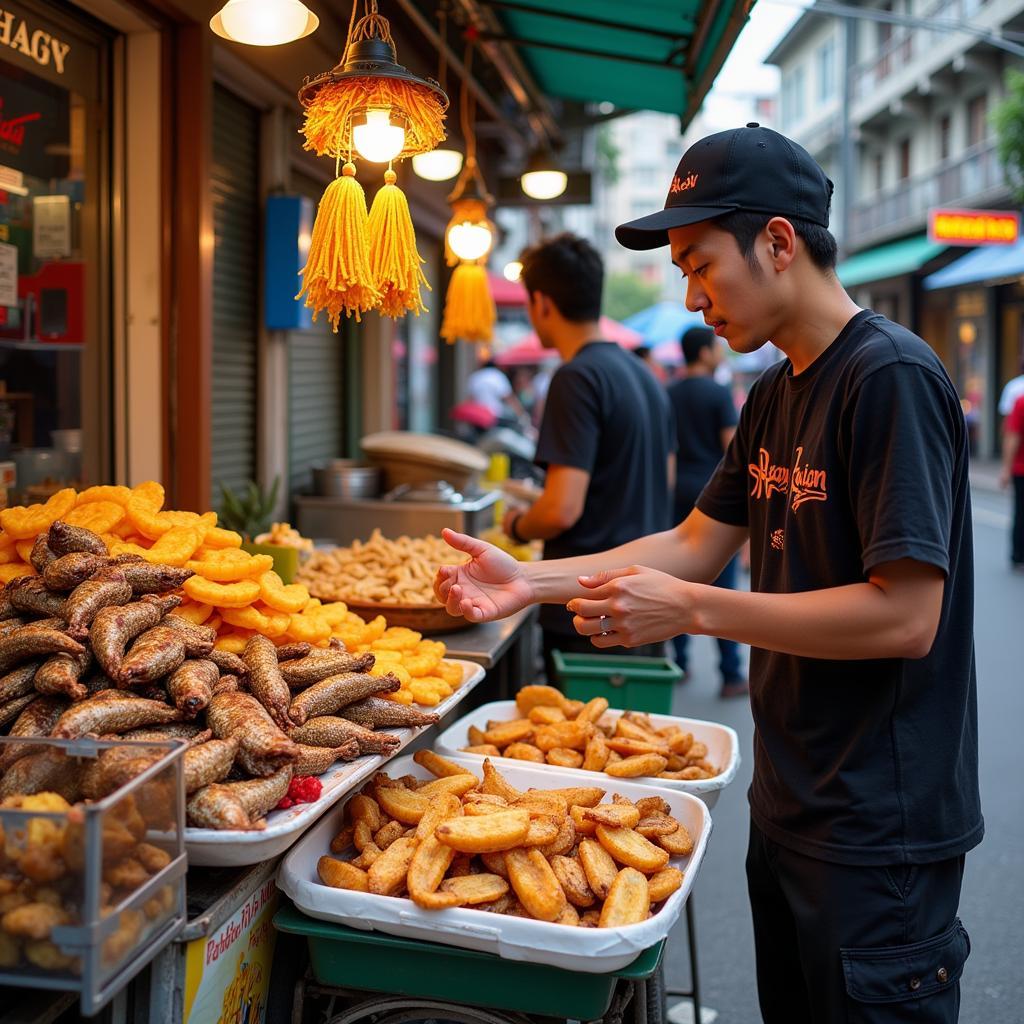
x: 664, y: 321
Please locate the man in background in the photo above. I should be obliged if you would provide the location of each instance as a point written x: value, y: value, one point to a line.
x: 705, y: 420
x: 606, y: 437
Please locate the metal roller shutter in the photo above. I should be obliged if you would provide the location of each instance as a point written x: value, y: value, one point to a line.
x: 316, y: 364
x: 235, y: 290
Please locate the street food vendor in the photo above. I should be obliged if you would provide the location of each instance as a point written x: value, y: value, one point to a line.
x: 848, y: 474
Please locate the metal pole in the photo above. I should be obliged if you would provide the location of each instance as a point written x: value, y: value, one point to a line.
x: 847, y: 157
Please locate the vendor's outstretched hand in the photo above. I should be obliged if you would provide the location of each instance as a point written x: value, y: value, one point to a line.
x: 491, y: 585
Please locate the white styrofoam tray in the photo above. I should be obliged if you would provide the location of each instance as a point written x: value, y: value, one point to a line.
x: 722, y: 742
x: 208, y: 847
x: 590, y: 950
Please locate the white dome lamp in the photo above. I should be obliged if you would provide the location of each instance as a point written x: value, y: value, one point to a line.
x: 264, y: 22
x: 542, y: 178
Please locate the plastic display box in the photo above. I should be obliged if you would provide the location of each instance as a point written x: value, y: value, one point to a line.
x: 640, y: 684
x: 89, y: 891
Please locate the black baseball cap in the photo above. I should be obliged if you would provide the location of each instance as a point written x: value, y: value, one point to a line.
x: 750, y: 168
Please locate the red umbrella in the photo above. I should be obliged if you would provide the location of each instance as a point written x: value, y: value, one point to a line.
x: 530, y: 352
x: 505, y: 292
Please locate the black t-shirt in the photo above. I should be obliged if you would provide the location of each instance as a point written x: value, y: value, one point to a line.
x: 607, y: 414
x: 702, y: 408
x: 859, y: 460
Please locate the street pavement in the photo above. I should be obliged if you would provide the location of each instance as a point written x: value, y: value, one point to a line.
x: 992, y: 904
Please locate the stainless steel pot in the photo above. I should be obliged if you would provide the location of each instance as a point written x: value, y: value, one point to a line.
x: 346, y: 478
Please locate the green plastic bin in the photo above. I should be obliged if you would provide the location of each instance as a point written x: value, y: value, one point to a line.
x: 634, y: 684
x: 286, y: 559
x: 375, y: 962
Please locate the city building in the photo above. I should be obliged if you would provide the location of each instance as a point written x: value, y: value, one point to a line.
x: 914, y: 83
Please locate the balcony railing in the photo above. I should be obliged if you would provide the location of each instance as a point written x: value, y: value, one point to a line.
x: 973, y: 175
x: 901, y: 49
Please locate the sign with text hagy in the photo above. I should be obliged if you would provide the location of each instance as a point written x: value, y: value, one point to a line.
x: 227, y: 974
x: 973, y: 227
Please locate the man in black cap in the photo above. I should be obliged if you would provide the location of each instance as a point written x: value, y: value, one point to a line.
x: 848, y: 473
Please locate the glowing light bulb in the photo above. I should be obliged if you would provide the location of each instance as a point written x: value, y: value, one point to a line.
x: 264, y: 22
x: 378, y: 140
x: 544, y: 184
x: 438, y: 164
x: 470, y: 241
x: 513, y: 270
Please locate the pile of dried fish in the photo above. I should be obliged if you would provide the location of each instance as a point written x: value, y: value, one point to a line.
x: 90, y: 646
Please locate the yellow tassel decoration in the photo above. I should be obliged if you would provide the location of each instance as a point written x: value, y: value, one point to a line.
x: 337, y: 276
x: 394, y: 260
x: 469, y: 311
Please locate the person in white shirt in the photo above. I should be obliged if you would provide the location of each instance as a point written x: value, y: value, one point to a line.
x: 491, y: 388
x: 1013, y: 390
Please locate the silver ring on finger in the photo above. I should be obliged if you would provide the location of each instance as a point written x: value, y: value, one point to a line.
x: 605, y: 625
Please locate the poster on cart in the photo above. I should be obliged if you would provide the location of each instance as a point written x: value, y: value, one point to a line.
x: 227, y: 974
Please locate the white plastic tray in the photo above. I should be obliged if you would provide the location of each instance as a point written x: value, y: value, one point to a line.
x: 591, y: 950
x: 209, y: 847
x: 722, y: 742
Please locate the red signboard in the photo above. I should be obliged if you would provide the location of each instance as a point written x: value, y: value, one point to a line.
x: 973, y: 227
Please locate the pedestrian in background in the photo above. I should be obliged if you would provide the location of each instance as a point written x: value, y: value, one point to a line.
x: 1013, y: 474
x: 705, y: 419
x: 606, y: 437
x: 1013, y: 390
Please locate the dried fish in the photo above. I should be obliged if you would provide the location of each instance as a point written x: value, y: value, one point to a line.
x: 261, y: 743
x: 331, y: 731
x: 191, y: 732
x: 13, y: 708
x: 227, y: 684
x: 322, y: 664
x: 88, y: 598
x: 334, y: 693
x: 190, y: 686
x: 34, y: 640
x: 18, y: 682
x: 7, y: 610
x: 63, y: 539
x: 238, y: 805
x: 60, y: 674
x: 379, y: 712
x: 316, y: 760
x: 48, y: 771
x: 116, y: 627
x: 229, y: 663
x: 30, y: 594
x: 67, y: 571
x: 298, y: 649
x: 112, y: 711
x: 154, y: 654
x: 41, y: 555
x: 208, y: 762
x: 265, y: 681
x: 153, y: 577
x: 11, y: 624
x: 198, y: 640
x: 36, y: 720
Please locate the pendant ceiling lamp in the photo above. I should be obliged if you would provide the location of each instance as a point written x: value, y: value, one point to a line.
x: 469, y: 311
x: 264, y: 22
x: 371, y: 106
x: 543, y: 178
x: 439, y: 164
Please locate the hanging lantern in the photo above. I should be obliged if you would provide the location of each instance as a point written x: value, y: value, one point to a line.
x: 264, y: 22
x: 543, y: 178
x: 371, y: 105
x: 438, y: 164
x: 469, y: 311
x: 470, y: 232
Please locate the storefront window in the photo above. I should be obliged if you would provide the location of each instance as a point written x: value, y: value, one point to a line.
x: 972, y: 365
x: 50, y: 366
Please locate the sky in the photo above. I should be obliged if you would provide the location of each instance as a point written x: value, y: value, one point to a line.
x: 743, y: 72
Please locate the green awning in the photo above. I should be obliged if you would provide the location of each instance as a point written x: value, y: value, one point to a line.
x: 890, y: 260
x: 644, y: 55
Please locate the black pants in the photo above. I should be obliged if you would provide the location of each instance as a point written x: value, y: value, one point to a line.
x: 1017, y: 550
x: 855, y: 945
x: 576, y: 644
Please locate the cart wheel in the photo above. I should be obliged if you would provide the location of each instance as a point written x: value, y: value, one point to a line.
x: 405, y: 1010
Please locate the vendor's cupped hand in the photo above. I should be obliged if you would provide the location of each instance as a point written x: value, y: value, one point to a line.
x: 633, y: 607
x: 491, y: 585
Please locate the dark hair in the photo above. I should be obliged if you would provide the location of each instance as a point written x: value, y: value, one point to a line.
x: 569, y: 271
x: 694, y: 341
x: 745, y: 226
